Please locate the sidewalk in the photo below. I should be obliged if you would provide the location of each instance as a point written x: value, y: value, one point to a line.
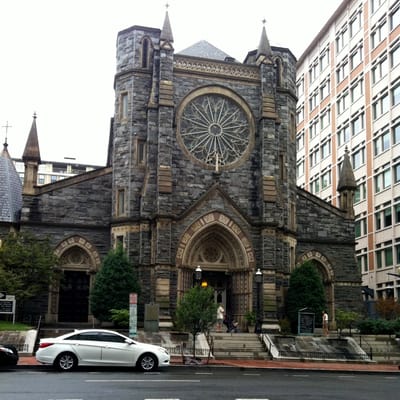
x: 270, y: 364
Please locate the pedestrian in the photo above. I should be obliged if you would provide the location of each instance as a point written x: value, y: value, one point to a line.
x: 220, y: 317
x: 325, y: 327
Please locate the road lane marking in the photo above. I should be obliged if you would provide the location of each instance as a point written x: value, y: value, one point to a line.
x: 141, y: 380
x: 204, y: 373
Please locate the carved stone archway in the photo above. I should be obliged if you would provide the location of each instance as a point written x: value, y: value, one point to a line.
x: 79, y: 262
x: 326, y: 271
x: 225, y: 254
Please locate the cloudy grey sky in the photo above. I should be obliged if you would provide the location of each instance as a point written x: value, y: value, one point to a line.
x: 58, y: 58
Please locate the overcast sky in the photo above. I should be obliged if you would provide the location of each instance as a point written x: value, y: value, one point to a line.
x: 57, y: 58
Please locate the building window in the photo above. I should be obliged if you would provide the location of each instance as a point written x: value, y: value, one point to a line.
x: 397, y: 250
x: 124, y: 106
x: 342, y: 71
x: 41, y: 180
x: 396, y: 95
x: 326, y: 179
x: 379, y: 33
x: 360, y: 226
x: 375, y: 4
x: 343, y: 102
x: 325, y: 149
x: 313, y: 100
x: 325, y: 89
x: 343, y: 134
x: 396, y: 209
x: 300, y: 114
x: 356, y: 56
x: 396, y: 173
x: 140, y: 152
x: 395, y: 56
x: 356, y: 90
x: 380, y: 106
x: 313, y: 71
x: 120, y: 202
x: 396, y: 134
x: 360, y: 193
x: 362, y: 261
x: 383, y: 179
x: 314, y: 157
x: 394, y: 18
x: 314, y: 185
x: 379, y: 70
x: 387, y: 217
x: 355, y: 23
x: 357, y: 124
x: 300, y: 140
x: 313, y: 129
x: 384, y: 257
x: 382, y: 143
x: 324, y: 60
x: 341, y: 38
x: 300, y: 169
x: 300, y: 87
x: 325, y: 119
x: 358, y: 158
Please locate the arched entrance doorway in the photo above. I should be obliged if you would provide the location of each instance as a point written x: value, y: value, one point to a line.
x: 69, y: 296
x: 325, y: 269
x: 224, y: 253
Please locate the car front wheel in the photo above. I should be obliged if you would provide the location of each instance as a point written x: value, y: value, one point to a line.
x: 147, y: 362
x: 66, y: 362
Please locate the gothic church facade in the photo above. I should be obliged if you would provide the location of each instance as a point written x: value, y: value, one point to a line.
x: 201, y: 172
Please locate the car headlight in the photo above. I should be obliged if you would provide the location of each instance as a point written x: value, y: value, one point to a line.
x: 6, y: 350
x: 162, y: 350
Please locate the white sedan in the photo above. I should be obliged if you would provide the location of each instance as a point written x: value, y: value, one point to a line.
x: 100, y: 347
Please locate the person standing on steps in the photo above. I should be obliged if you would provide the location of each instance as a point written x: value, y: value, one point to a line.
x: 325, y: 328
x: 220, y: 317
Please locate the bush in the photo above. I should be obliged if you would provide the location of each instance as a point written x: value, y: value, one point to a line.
x: 120, y: 318
x: 379, y: 327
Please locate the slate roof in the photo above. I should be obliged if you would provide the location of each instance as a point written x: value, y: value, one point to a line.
x: 10, y: 189
x: 204, y: 49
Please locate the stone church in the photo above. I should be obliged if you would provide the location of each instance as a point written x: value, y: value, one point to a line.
x: 201, y: 171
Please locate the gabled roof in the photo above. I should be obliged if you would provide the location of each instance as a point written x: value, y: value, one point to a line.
x: 204, y: 49
x: 10, y: 189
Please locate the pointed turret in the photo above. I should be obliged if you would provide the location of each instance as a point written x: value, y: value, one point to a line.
x: 264, y: 52
x: 166, y: 37
x: 31, y: 158
x: 347, y: 186
x: 10, y: 189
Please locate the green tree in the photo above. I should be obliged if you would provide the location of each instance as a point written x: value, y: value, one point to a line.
x: 114, y: 282
x: 305, y: 291
x: 346, y: 319
x: 196, y: 312
x: 26, y: 265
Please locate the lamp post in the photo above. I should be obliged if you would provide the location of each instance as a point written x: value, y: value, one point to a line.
x: 259, y: 279
x: 197, y: 275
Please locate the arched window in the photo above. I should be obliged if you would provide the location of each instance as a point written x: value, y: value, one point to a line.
x: 146, y: 52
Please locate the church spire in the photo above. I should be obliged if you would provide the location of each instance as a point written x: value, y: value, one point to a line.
x: 31, y: 158
x: 32, y: 151
x: 166, y: 32
x: 264, y: 51
x: 347, y: 186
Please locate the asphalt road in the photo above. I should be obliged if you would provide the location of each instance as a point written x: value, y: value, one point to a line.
x: 196, y: 384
